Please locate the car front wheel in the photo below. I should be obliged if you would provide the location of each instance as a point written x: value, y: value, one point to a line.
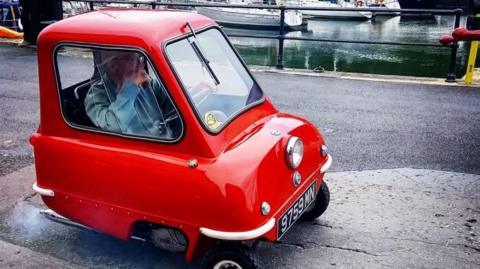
x: 231, y: 256
x: 320, y: 205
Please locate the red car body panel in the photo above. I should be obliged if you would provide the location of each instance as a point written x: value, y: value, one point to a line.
x: 108, y: 182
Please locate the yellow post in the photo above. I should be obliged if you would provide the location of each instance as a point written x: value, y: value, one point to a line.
x: 471, y: 60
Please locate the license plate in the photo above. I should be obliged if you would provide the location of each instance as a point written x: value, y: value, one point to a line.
x: 296, y: 210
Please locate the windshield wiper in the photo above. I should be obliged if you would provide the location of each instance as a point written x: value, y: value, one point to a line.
x: 196, y: 47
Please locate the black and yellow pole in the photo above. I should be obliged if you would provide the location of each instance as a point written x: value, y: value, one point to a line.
x: 471, y: 59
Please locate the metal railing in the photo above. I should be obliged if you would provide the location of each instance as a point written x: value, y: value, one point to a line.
x: 281, y: 37
x: 9, y: 9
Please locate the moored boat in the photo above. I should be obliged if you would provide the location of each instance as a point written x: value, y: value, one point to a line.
x: 418, y: 4
x: 334, y: 14
x: 253, y: 18
x: 390, y: 4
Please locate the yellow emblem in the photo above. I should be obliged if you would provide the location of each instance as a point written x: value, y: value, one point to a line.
x: 211, y: 121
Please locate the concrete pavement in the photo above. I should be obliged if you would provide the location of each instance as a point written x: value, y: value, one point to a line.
x: 390, y: 218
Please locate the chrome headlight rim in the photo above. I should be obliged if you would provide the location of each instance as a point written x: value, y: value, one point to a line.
x: 293, y: 144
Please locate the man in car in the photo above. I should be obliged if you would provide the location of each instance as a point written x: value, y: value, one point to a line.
x: 124, y: 99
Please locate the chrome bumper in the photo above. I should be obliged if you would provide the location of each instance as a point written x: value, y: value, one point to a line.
x: 42, y: 191
x: 326, y: 165
x: 239, y: 236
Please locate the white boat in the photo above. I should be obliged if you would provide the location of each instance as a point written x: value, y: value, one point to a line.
x: 72, y: 8
x: 392, y: 4
x: 359, y: 15
x: 253, y: 18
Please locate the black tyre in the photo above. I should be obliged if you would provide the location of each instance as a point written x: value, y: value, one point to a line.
x: 231, y: 256
x: 320, y: 205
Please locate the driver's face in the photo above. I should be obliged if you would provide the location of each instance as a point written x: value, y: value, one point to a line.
x: 124, y: 66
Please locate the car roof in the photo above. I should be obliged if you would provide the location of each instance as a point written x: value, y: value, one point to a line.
x: 114, y: 25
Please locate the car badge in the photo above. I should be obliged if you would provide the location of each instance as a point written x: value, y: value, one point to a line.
x: 276, y: 132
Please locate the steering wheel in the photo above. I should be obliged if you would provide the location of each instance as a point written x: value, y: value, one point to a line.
x: 200, y: 92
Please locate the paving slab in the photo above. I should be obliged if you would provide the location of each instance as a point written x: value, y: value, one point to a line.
x: 389, y: 218
x: 16, y: 186
x: 392, y: 218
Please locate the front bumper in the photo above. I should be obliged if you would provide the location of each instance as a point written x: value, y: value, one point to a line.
x: 260, y: 231
x: 327, y: 164
x: 239, y: 236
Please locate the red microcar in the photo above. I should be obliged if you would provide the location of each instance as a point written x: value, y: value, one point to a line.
x: 153, y: 128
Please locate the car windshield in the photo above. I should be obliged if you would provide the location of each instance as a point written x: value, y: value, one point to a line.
x: 217, y: 83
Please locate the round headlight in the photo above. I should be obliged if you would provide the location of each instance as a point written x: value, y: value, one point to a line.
x: 294, y: 152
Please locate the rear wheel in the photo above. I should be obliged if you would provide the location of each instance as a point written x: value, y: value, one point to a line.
x: 231, y: 256
x: 320, y: 205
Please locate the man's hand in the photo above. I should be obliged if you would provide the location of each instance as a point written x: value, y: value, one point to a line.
x: 141, y: 78
x: 207, y: 84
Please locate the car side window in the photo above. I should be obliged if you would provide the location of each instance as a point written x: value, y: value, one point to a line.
x: 115, y: 91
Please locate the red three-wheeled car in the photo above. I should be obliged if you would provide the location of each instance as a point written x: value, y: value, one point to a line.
x: 150, y: 122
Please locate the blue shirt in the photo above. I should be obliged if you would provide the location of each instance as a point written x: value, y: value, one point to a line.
x: 133, y: 110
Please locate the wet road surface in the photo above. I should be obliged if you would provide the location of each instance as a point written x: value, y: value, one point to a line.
x: 366, y: 124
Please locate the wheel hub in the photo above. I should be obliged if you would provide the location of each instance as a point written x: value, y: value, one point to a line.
x: 227, y: 264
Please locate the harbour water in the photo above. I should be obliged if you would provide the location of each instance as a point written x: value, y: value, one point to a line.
x: 361, y: 58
